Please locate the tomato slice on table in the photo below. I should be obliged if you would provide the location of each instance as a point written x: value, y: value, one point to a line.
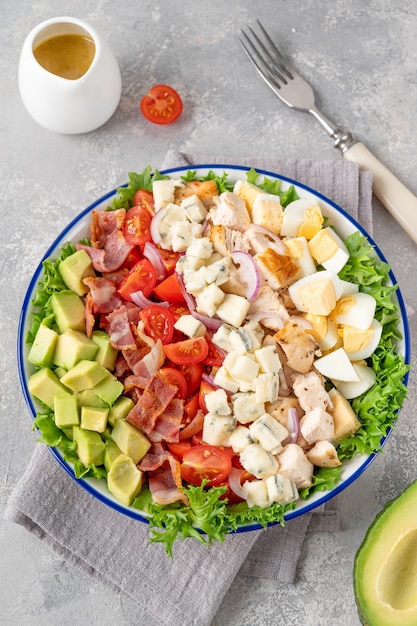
x: 187, y: 351
x: 142, y: 277
x: 169, y: 290
x: 161, y: 105
x: 144, y: 198
x: 175, y: 377
x: 137, y: 227
x: 159, y: 324
x: 205, y: 462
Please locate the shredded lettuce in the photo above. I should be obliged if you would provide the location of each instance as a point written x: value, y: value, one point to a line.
x: 207, y: 518
x: 273, y: 186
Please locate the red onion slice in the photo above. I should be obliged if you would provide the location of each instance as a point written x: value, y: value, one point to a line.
x: 189, y: 299
x: 211, y: 323
x: 293, y: 426
x: 140, y: 300
x: 250, y: 272
x: 234, y: 482
x: 155, y: 224
x: 152, y: 254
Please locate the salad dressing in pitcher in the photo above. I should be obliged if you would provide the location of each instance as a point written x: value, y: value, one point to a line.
x: 68, y: 56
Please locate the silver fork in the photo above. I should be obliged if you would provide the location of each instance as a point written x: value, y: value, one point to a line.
x: 298, y: 94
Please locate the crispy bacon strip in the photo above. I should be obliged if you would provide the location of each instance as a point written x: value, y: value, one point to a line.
x: 167, y: 425
x: 151, y: 404
x: 103, y: 223
x: 121, y: 336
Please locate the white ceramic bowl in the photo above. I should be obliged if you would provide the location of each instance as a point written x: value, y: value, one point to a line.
x: 79, y: 228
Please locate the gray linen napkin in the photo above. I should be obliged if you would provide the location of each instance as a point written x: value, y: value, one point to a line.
x: 115, y: 549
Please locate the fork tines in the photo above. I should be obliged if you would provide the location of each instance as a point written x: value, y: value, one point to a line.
x: 266, y: 57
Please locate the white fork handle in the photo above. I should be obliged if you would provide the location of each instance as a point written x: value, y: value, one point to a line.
x: 395, y: 196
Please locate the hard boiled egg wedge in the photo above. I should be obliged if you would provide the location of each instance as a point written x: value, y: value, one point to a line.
x: 302, y: 217
x: 316, y: 293
x: 328, y: 250
x: 356, y: 310
x: 336, y: 365
x: 360, y: 344
x: 353, y: 389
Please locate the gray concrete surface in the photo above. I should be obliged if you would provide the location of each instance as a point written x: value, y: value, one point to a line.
x: 363, y: 59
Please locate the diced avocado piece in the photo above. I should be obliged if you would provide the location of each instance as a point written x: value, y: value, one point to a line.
x: 124, y: 479
x: 111, y: 453
x: 120, y: 409
x: 73, y: 346
x: 59, y: 372
x: 84, y: 375
x: 106, y: 354
x: 74, y: 268
x: 42, y: 350
x: 130, y: 440
x: 68, y: 433
x: 87, y: 397
x: 385, y: 572
x: 94, y: 418
x: 108, y: 389
x: 90, y: 446
x: 69, y: 311
x: 66, y: 410
x: 106, y: 434
x: 44, y: 385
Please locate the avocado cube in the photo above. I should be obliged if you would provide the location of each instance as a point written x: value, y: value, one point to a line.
x: 87, y: 397
x: 68, y: 433
x: 90, y: 447
x: 120, y: 409
x: 108, y: 389
x: 74, y: 268
x: 42, y: 350
x: 124, y: 479
x: 94, y: 418
x: 66, y: 410
x: 69, y: 311
x: 106, y: 354
x: 73, y: 346
x: 84, y: 375
x: 111, y: 453
x: 130, y: 440
x: 44, y: 385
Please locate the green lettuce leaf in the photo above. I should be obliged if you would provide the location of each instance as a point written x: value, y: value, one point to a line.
x: 125, y: 194
x: 273, y: 186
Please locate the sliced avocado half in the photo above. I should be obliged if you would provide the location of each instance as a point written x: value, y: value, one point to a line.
x: 385, y: 569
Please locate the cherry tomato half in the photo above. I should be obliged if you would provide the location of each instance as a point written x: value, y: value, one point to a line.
x: 169, y: 259
x: 175, y: 377
x: 205, y: 462
x: 169, y: 290
x: 144, y: 198
x: 178, y: 310
x: 205, y: 388
x: 187, y: 351
x: 142, y: 277
x: 161, y: 105
x: 192, y: 373
x: 178, y: 449
x: 159, y: 324
x: 214, y: 357
x: 134, y: 256
x: 137, y: 225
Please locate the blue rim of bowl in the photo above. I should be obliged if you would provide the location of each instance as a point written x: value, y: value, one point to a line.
x: 60, y: 240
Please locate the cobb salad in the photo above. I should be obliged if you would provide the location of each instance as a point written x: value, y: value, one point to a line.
x: 214, y: 351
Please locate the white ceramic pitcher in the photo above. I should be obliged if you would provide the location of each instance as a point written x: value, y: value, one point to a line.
x: 69, y: 106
